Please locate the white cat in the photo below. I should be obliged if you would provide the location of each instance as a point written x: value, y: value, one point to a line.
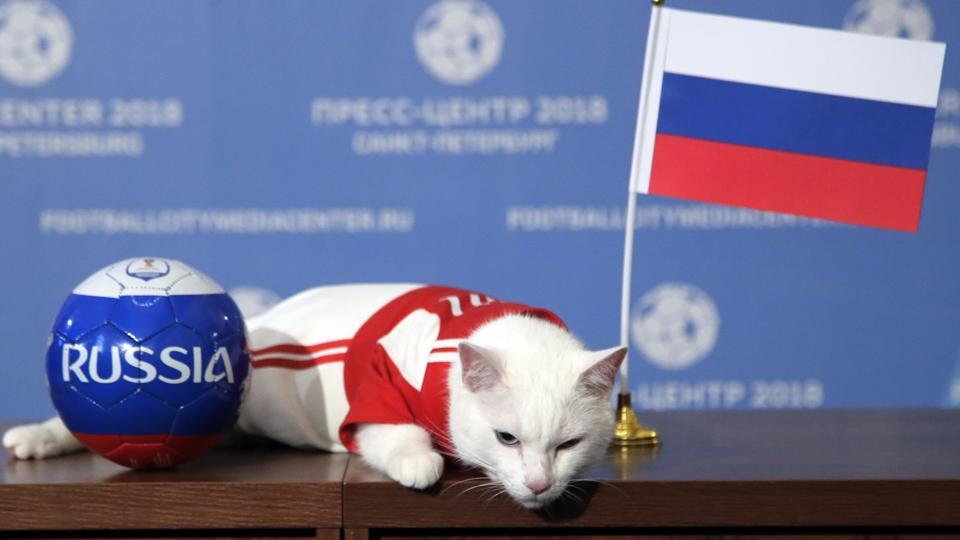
x: 402, y: 374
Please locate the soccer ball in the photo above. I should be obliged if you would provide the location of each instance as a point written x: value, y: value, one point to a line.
x: 459, y: 41
x: 894, y: 18
x: 148, y: 362
x: 675, y: 325
x: 35, y: 41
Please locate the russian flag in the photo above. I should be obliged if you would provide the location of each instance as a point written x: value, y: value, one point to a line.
x: 786, y: 118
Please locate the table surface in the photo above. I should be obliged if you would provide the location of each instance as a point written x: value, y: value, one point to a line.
x: 714, y: 469
x: 720, y: 469
x: 251, y: 484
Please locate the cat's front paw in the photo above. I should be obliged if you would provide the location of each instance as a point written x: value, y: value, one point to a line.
x: 36, y: 441
x: 417, y: 470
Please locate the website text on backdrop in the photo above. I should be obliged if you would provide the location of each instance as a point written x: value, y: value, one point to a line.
x: 778, y: 117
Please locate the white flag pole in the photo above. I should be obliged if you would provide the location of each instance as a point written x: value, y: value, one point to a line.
x: 629, y: 431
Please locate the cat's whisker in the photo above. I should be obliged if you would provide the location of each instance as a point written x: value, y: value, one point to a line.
x: 481, y: 490
x: 458, y: 482
x: 463, y: 453
x: 580, y: 499
x: 441, y: 435
x: 450, y: 455
x: 547, y: 510
x: 574, y: 500
x: 490, y: 491
x: 479, y: 461
x: 460, y: 459
x: 604, y: 483
x: 576, y: 487
x: 496, y: 494
x: 478, y: 486
x: 489, y: 499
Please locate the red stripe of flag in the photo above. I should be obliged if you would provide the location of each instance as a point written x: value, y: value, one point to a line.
x: 297, y: 364
x: 298, y: 348
x: 443, y: 349
x: 800, y: 184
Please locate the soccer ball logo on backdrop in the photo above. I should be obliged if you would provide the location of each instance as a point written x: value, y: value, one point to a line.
x: 894, y: 18
x: 675, y: 325
x: 35, y: 42
x: 459, y: 41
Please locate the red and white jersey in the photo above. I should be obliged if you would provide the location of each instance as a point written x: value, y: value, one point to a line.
x: 331, y: 358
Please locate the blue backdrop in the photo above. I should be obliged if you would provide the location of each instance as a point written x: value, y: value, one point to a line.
x: 279, y: 145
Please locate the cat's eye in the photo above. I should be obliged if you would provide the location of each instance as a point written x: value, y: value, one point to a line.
x: 568, y: 444
x: 506, y: 438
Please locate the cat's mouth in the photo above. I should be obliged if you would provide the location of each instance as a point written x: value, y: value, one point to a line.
x: 536, y: 502
x: 533, y: 503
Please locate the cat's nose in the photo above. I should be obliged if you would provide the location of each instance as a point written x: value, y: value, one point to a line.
x: 537, y: 486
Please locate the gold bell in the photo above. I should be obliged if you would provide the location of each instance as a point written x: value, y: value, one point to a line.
x: 629, y: 431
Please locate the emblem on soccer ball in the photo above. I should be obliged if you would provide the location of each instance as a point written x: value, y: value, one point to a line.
x: 459, y: 41
x: 675, y: 325
x: 148, y: 268
x: 895, y: 18
x: 35, y: 41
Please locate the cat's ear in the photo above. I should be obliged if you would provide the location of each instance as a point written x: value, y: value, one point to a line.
x: 481, y: 368
x: 601, y: 371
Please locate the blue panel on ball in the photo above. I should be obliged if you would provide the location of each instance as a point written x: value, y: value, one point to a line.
x: 141, y: 414
x: 236, y: 348
x: 142, y: 316
x: 213, y: 412
x: 54, y: 361
x: 100, y: 365
x: 180, y: 356
x: 80, y: 314
x: 213, y: 315
x: 80, y: 414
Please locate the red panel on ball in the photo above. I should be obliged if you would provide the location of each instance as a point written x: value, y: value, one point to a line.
x: 99, y: 444
x: 159, y: 451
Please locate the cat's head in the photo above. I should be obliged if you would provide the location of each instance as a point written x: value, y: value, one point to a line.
x: 530, y: 406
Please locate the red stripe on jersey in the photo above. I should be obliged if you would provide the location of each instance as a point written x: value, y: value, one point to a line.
x: 298, y: 348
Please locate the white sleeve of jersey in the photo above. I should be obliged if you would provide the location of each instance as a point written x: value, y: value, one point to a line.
x: 409, y: 344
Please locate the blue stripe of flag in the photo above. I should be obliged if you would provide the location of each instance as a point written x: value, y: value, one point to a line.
x: 793, y: 121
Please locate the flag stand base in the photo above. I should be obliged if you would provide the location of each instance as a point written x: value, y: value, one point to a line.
x: 629, y: 431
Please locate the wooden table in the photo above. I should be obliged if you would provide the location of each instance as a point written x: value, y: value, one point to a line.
x: 252, y: 489
x: 849, y: 474
x: 819, y: 471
